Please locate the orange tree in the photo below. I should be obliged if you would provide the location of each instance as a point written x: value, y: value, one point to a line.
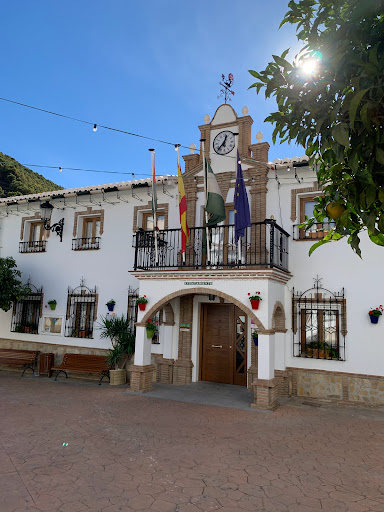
x: 11, y: 288
x: 330, y: 100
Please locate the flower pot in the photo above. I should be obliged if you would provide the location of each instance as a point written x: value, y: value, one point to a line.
x: 142, y: 306
x: 110, y: 307
x: 256, y: 340
x: 150, y: 333
x: 117, y: 377
x: 255, y: 304
x: 374, y: 319
x: 52, y: 306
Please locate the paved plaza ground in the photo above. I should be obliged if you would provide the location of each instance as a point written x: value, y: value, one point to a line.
x: 73, y: 446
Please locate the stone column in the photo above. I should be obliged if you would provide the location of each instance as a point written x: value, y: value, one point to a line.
x: 182, y: 368
x: 266, y: 386
x: 142, y: 370
x: 165, y: 363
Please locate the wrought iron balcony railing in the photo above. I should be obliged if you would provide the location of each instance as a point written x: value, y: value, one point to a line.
x: 265, y: 244
x: 38, y: 246
x: 315, y: 232
x: 86, y: 244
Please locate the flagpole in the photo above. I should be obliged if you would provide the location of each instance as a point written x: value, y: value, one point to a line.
x: 206, y: 199
x: 152, y: 151
x: 238, y: 241
x: 178, y: 167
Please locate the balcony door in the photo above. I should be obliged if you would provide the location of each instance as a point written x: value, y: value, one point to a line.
x: 223, y: 245
x: 223, y: 344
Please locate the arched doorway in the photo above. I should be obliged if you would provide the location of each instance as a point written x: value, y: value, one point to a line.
x: 212, y: 337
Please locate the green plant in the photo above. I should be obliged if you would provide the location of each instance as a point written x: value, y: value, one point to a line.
x: 52, y: 302
x: 122, y: 339
x: 377, y: 311
x: 142, y: 300
x: 110, y: 303
x: 329, y: 99
x: 151, y: 328
x: 19, y: 328
x: 11, y: 289
x: 255, y: 297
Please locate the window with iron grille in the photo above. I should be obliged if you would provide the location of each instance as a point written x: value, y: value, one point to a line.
x: 133, y: 295
x: 27, y: 312
x: 319, y: 323
x: 81, y: 312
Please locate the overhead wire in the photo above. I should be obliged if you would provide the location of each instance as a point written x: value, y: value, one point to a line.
x: 98, y: 125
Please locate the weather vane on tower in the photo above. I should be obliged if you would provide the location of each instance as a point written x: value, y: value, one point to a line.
x: 226, y: 84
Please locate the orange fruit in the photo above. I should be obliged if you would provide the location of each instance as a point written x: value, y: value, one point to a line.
x: 335, y: 210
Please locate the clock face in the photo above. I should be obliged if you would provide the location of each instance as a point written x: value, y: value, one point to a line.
x: 224, y: 142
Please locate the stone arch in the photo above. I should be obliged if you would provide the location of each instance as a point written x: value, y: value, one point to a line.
x: 202, y: 291
x: 278, y: 318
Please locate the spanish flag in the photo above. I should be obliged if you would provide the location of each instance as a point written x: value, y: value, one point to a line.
x: 182, y: 207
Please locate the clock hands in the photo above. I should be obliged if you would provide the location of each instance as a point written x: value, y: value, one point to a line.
x: 223, y: 144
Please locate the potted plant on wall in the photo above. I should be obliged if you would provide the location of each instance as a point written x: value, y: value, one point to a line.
x: 52, y: 304
x: 151, y: 328
x: 123, y: 346
x: 142, y: 302
x: 374, y: 314
x: 255, y: 338
x: 111, y: 305
x: 255, y: 300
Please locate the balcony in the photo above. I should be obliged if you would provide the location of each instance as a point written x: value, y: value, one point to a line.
x: 265, y: 245
x: 38, y: 246
x: 316, y: 232
x: 86, y: 244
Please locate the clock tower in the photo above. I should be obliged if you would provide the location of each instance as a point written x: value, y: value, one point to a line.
x: 221, y: 143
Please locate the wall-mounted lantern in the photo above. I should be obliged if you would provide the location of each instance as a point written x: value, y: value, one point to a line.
x: 46, y: 214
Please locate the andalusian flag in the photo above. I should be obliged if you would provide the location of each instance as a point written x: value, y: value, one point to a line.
x: 215, y: 206
x: 182, y: 207
x: 154, y: 194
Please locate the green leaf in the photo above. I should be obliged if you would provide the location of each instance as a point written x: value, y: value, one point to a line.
x: 377, y: 239
x: 379, y: 155
x: 370, y: 195
x: 316, y: 245
x: 381, y: 195
x: 255, y: 74
x: 355, y: 102
x: 340, y: 133
x: 381, y: 223
x: 282, y: 62
x: 364, y: 116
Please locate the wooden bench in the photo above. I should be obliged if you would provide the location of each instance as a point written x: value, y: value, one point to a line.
x: 14, y: 357
x: 83, y: 363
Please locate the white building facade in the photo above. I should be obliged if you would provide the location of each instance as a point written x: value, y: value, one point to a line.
x: 311, y: 335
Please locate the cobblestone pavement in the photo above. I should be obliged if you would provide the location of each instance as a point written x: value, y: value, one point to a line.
x: 73, y: 446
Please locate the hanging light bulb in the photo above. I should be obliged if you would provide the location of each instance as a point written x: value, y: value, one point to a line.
x: 95, y: 127
x: 288, y: 168
x: 60, y: 169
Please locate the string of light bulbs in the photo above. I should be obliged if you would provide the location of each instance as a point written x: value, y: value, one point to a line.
x: 98, y: 125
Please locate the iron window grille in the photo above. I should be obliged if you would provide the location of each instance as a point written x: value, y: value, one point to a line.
x: 319, y: 323
x: 133, y: 295
x: 81, y: 312
x: 27, y: 312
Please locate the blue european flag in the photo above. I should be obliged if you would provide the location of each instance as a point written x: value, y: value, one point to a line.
x: 242, y: 215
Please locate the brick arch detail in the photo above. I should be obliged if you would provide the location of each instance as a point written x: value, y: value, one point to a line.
x: 278, y: 318
x: 202, y: 291
x: 169, y: 314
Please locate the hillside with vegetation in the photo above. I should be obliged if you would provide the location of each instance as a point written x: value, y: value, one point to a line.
x: 17, y: 180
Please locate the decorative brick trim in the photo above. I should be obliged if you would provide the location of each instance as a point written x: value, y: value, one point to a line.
x: 35, y: 217
x: 296, y: 191
x: 148, y: 207
x: 169, y: 315
x: 266, y: 394
x: 141, y: 378
x: 202, y: 291
x: 88, y: 211
x: 278, y: 318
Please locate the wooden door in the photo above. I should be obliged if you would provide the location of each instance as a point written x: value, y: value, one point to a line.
x: 224, y: 344
x: 217, y: 349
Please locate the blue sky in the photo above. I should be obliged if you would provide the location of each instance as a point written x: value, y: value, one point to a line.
x: 149, y: 67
